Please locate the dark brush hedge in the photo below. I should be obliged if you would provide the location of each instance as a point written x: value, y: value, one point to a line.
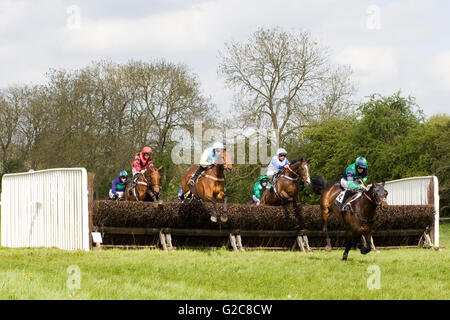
x: 195, y: 215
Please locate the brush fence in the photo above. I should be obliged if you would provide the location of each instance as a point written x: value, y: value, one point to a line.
x: 411, y: 218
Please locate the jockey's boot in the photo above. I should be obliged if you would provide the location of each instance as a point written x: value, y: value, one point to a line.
x: 341, y: 199
x: 195, y: 176
x: 347, y: 195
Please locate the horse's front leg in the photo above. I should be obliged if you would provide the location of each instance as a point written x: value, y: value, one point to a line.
x: 366, y: 245
x: 214, y: 213
x: 221, y: 196
x: 348, y: 246
x: 223, y: 216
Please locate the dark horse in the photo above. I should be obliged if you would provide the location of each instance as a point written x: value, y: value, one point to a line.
x: 210, y: 185
x: 287, y: 188
x: 358, y: 219
x: 147, y: 187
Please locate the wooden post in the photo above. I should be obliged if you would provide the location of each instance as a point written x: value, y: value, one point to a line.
x: 300, y: 243
x: 91, y: 176
x: 162, y: 239
x: 305, y: 240
x: 239, y: 242
x: 169, y: 241
x: 233, y: 242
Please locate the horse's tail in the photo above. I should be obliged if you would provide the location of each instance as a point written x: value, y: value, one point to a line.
x: 319, y: 183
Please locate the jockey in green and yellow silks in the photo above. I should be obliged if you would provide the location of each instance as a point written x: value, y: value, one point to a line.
x: 259, y: 188
x: 353, y: 179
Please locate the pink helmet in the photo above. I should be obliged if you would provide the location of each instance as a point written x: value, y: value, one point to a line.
x: 147, y: 150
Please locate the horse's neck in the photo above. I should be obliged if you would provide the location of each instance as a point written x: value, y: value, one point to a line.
x: 287, y: 172
x: 217, y: 170
x: 368, y: 205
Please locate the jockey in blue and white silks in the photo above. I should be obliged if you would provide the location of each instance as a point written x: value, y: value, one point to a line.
x: 209, y: 156
x: 278, y: 162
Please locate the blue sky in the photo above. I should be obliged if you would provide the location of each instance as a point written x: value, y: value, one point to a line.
x: 408, y: 48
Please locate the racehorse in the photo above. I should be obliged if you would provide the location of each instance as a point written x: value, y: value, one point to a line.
x: 286, y: 187
x: 147, y: 186
x: 359, y: 216
x: 210, y: 185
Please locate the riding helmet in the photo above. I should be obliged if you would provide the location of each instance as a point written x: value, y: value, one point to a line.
x: 361, y: 162
x: 123, y: 173
x: 218, y: 145
x: 281, y: 152
x: 147, y: 150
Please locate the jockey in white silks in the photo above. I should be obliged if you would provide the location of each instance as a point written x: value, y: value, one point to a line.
x: 208, y: 158
x: 278, y: 162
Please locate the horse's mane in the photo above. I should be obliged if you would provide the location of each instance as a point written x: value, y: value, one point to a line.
x: 298, y: 160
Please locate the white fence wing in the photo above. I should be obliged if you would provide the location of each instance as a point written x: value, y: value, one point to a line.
x: 416, y: 191
x: 47, y: 208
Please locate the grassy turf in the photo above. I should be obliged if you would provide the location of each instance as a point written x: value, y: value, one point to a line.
x: 208, y: 274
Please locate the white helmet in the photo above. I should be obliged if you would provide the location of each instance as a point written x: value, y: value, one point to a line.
x: 218, y: 145
x: 281, y: 151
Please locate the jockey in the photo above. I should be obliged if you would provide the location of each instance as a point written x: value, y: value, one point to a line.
x: 351, y: 181
x: 208, y: 158
x: 278, y: 162
x: 118, y: 186
x: 259, y: 188
x: 142, y: 161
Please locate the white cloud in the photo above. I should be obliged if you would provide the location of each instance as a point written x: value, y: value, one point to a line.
x: 372, y: 65
x: 441, y: 70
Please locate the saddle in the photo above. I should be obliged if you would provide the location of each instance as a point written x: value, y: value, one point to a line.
x: 347, y: 205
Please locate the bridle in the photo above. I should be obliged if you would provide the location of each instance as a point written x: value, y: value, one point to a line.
x: 148, y: 184
x: 372, y: 199
x: 295, y: 178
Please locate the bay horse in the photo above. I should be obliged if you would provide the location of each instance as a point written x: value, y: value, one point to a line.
x: 287, y: 188
x: 210, y: 185
x: 147, y: 186
x: 358, y: 218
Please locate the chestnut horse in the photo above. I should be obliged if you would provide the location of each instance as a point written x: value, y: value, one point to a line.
x: 286, y: 188
x: 210, y: 185
x: 147, y: 186
x: 360, y: 216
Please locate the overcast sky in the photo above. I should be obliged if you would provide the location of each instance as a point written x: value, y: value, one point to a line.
x: 390, y: 45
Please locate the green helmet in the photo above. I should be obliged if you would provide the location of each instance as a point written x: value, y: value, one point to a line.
x: 262, y: 177
x: 361, y: 162
x: 123, y: 173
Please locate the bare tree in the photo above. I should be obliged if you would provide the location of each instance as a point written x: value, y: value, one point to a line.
x: 166, y: 96
x: 284, y: 80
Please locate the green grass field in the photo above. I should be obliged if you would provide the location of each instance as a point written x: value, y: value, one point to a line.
x: 221, y: 274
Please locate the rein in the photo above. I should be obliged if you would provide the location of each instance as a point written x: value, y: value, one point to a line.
x: 283, y: 200
x: 358, y: 214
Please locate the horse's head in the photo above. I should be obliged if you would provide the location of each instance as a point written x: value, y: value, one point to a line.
x: 301, y: 168
x: 226, y: 160
x: 153, y: 177
x: 379, y: 195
